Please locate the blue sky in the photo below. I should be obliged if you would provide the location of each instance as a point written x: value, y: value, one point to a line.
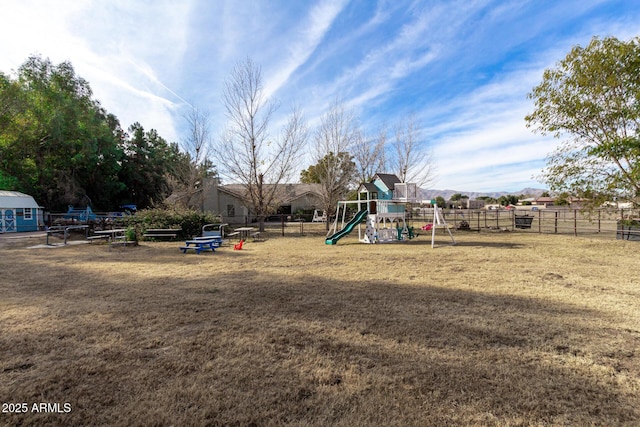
x: 461, y: 68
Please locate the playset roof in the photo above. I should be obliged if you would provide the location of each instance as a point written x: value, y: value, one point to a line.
x: 389, y: 180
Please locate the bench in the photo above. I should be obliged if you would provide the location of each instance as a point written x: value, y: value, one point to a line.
x: 162, y: 233
x: 97, y: 237
x: 234, y: 234
x: 255, y: 236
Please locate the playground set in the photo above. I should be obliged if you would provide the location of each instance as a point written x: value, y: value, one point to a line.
x: 382, y: 204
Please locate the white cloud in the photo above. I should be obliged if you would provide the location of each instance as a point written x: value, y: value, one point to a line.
x: 306, y: 37
x: 464, y: 68
x: 118, y: 47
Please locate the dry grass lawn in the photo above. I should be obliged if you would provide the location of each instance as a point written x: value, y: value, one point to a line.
x: 504, y: 329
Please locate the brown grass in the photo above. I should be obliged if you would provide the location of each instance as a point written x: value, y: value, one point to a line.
x: 501, y: 329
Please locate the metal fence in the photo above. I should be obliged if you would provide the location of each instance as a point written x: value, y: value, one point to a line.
x: 603, y: 222
x: 600, y: 222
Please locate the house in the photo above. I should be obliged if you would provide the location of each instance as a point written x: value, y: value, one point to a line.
x: 228, y: 201
x: 544, y: 202
x: 19, y: 212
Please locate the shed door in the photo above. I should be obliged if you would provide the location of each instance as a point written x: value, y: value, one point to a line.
x: 7, y: 220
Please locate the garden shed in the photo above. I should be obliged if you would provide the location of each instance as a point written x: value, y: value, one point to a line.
x: 19, y: 212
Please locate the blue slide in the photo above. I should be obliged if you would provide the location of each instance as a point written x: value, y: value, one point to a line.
x: 347, y: 228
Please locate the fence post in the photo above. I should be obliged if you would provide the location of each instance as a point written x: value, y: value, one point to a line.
x: 282, y: 222
x: 539, y: 221
x: 498, y: 219
x: 575, y: 222
x: 556, y: 222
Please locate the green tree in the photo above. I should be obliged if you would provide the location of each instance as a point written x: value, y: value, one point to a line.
x: 593, y: 97
x: 487, y: 199
x: 149, y: 165
x: 56, y: 142
x: 562, y: 199
x: 507, y: 200
x: 335, y: 174
x: 317, y: 174
x: 10, y: 108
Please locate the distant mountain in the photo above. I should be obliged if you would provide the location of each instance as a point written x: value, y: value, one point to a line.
x: 446, y: 194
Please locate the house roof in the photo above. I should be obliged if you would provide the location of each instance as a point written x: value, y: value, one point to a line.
x: 389, y: 180
x: 15, y: 199
x: 288, y: 192
x: 545, y: 199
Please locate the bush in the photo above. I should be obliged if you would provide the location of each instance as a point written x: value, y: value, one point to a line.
x: 189, y: 221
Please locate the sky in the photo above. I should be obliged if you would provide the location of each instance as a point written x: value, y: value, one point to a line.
x: 461, y: 69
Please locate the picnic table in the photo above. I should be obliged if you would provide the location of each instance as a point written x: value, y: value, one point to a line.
x: 201, y: 244
x: 244, y: 232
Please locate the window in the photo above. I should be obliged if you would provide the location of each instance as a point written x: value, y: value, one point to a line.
x: 231, y: 210
x: 28, y: 215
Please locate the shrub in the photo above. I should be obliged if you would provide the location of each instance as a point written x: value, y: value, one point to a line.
x: 629, y: 222
x: 189, y: 221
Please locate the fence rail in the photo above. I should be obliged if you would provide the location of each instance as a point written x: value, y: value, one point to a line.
x: 603, y: 222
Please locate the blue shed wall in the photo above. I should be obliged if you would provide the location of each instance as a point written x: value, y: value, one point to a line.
x: 23, y: 224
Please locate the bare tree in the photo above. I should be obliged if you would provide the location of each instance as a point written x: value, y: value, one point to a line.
x: 197, y: 145
x: 247, y: 152
x: 412, y: 160
x: 334, y: 138
x: 369, y: 154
